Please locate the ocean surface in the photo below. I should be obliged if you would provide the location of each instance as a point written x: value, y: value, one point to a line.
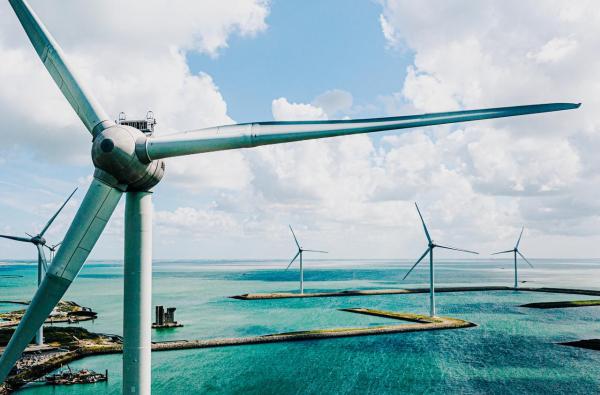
x: 512, y: 350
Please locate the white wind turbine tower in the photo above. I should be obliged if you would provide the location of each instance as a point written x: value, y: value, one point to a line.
x: 130, y: 161
x: 430, y: 247
x: 42, y: 267
x: 516, y: 252
x: 299, y: 254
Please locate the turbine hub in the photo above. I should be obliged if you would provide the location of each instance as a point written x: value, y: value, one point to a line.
x: 38, y: 240
x: 114, y: 153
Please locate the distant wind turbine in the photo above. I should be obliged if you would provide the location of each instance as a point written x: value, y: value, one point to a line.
x: 431, y: 245
x: 299, y: 254
x: 40, y: 242
x: 516, y: 252
x: 52, y: 250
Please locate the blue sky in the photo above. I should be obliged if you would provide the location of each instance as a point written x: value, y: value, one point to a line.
x: 309, y: 47
x: 209, y: 63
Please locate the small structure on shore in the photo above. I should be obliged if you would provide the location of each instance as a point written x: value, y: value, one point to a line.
x: 165, y: 319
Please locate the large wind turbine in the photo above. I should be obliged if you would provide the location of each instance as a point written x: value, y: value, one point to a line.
x: 516, y: 252
x: 299, y: 255
x: 128, y: 161
x: 430, y: 246
x: 40, y: 242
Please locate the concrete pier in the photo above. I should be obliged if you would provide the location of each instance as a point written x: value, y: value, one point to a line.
x: 365, y: 292
x: 371, y: 292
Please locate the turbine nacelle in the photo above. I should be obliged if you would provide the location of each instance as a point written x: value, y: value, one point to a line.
x: 118, y: 152
x: 38, y: 240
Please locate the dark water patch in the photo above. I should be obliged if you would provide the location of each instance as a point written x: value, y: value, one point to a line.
x: 531, y: 385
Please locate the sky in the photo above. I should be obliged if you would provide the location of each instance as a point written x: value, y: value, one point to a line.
x: 207, y: 63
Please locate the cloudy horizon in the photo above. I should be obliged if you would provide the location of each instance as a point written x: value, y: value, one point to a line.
x: 205, y: 64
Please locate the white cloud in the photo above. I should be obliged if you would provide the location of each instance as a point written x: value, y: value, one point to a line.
x: 389, y: 32
x: 554, y: 50
x: 470, y: 55
x: 334, y: 102
x: 193, y: 223
x: 283, y: 110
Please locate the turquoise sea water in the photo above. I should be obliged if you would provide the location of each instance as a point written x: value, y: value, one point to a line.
x: 512, y: 350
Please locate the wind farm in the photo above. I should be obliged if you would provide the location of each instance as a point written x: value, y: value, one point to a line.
x: 208, y: 188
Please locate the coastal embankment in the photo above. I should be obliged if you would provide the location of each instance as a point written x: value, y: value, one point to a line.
x: 96, y: 344
x: 371, y: 292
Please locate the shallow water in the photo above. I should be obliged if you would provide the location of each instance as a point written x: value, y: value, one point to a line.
x: 512, y: 350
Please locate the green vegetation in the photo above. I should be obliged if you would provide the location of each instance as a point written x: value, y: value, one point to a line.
x: 58, y: 336
x: 419, y: 318
x: 65, y: 311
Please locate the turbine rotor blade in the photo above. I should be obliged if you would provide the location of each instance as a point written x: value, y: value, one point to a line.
x: 423, y: 222
x: 295, y: 239
x: 263, y: 133
x: 415, y: 265
x: 503, y: 252
x: 57, y: 212
x: 17, y: 238
x: 521, y: 255
x: 293, y: 259
x: 322, y: 252
x: 87, y: 226
x: 89, y: 111
x: 519, y: 240
x: 42, y: 257
x: 457, y: 249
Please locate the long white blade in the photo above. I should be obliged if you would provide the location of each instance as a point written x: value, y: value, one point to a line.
x: 415, y: 265
x: 293, y: 259
x: 42, y: 257
x: 262, y: 133
x: 82, y: 101
x: 423, y: 222
x: 521, y: 255
x: 457, y: 249
x: 321, y: 251
x: 17, y: 238
x: 295, y: 239
x: 57, y: 212
x: 503, y: 252
x: 87, y: 226
x: 519, y: 240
